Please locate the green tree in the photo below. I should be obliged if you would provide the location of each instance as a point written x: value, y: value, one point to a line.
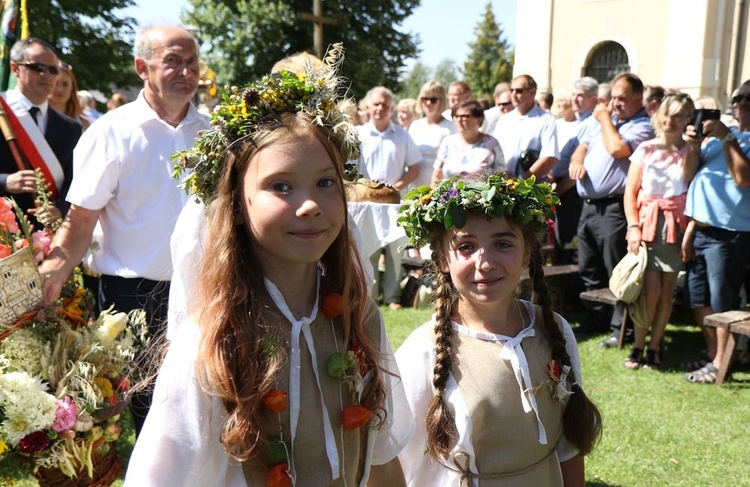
x: 491, y: 58
x: 92, y: 36
x: 418, y: 75
x: 242, y: 39
x: 447, y: 72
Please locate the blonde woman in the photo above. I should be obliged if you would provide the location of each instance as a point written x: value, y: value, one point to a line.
x: 658, y: 178
x: 428, y: 132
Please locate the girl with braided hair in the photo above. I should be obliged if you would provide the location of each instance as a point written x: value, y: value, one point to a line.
x: 493, y: 381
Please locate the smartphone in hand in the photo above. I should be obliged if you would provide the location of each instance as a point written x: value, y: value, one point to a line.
x: 701, y: 115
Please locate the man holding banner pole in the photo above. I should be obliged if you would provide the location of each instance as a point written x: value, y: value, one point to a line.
x: 35, y: 136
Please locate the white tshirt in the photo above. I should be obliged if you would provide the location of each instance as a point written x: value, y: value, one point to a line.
x: 385, y: 155
x: 518, y: 133
x: 428, y: 137
x: 122, y: 166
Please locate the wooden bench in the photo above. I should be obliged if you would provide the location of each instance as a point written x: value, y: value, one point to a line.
x: 735, y: 322
x: 605, y: 296
x: 551, y: 272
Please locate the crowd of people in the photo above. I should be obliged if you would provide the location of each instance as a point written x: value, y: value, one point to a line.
x: 276, y: 318
x: 621, y: 156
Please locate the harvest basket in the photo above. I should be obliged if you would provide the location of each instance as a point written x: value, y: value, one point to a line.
x: 20, y: 286
x: 107, y: 469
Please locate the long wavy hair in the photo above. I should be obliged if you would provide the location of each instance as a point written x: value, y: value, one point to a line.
x: 234, y: 362
x: 582, y: 423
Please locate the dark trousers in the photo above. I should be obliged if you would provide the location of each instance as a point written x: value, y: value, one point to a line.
x: 601, y: 245
x: 127, y: 295
x: 567, y: 213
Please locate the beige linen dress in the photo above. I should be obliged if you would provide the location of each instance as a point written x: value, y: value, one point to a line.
x: 180, y: 444
x: 506, y: 437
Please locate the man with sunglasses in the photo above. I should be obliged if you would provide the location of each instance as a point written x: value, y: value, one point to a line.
x: 528, y: 134
x: 715, y: 244
x: 493, y: 114
x: 46, y: 137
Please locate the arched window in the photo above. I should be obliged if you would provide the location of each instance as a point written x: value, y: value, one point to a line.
x: 606, y: 61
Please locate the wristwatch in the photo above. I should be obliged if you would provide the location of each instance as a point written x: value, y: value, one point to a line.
x: 728, y: 138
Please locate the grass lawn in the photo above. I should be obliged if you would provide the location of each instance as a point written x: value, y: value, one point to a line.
x: 659, y: 430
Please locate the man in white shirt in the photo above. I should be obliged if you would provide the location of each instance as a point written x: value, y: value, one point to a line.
x: 527, y: 135
x: 388, y: 155
x: 493, y: 114
x: 124, y: 183
x: 458, y: 92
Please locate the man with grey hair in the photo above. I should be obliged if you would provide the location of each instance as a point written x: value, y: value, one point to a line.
x: 124, y: 187
x: 583, y: 101
x: 52, y: 135
x: 493, y: 114
x: 389, y: 155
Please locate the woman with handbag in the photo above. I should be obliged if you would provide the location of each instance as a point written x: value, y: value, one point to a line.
x: 658, y: 179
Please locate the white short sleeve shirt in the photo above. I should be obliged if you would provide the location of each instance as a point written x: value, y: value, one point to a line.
x: 122, y: 166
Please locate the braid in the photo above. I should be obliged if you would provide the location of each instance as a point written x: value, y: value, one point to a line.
x: 440, y: 423
x: 551, y: 330
x: 582, y: 421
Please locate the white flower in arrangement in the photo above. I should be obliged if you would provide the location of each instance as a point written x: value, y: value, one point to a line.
x: 108, y: 326
x: 25, y: 405
x: 24, y: 351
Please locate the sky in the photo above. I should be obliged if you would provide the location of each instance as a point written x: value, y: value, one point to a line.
x: 445, y: 27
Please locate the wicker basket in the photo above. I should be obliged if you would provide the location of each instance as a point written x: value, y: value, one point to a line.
x: 107, y: 469
x: 20, y: 286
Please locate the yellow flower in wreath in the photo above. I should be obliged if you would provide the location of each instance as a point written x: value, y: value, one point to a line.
x: 105, y: 386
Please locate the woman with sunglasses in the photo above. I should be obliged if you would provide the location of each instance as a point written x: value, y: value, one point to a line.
x: 429, y: 131
x: 468, y: 151
x: 64, y: 98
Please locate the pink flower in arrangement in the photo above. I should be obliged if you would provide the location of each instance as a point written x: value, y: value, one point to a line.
x: 34, y: 442
x: 8, y: 221
x: 5, y: 205
x: 66, y: 415
x: 21, y: 243
x: 4, y: 251
x: 41, y: 244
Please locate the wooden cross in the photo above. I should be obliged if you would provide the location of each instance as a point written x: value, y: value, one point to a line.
x: 318, y: 21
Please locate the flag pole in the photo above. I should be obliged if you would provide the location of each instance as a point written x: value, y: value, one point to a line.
x: 10, y: 136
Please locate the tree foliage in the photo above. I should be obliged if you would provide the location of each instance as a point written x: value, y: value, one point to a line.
x: 242, y: 39
x: 447, y: 72
x: 491, y: 58
x: 418, y: 75
x: 92, y: 36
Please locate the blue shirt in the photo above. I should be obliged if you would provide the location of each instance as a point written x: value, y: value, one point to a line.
x: 560, y: 171
x: 713, y: 197
x: 605, y: 175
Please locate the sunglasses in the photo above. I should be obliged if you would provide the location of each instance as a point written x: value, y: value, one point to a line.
x: 506, y: 104
x: 41, y: 68
x: 519, y: 90
x: 739, y: 98
x: 463, y: 117
x: 431, y: 99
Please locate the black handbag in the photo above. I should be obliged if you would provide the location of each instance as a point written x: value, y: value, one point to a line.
x: 527, y: 159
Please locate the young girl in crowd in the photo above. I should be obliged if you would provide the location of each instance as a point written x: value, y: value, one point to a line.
x: 283, y: 376
x: 494, y: 382
x: 658, y: 178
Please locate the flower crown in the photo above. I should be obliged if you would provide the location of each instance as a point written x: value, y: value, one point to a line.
x: 243, y: 112
x: 425, y: 210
